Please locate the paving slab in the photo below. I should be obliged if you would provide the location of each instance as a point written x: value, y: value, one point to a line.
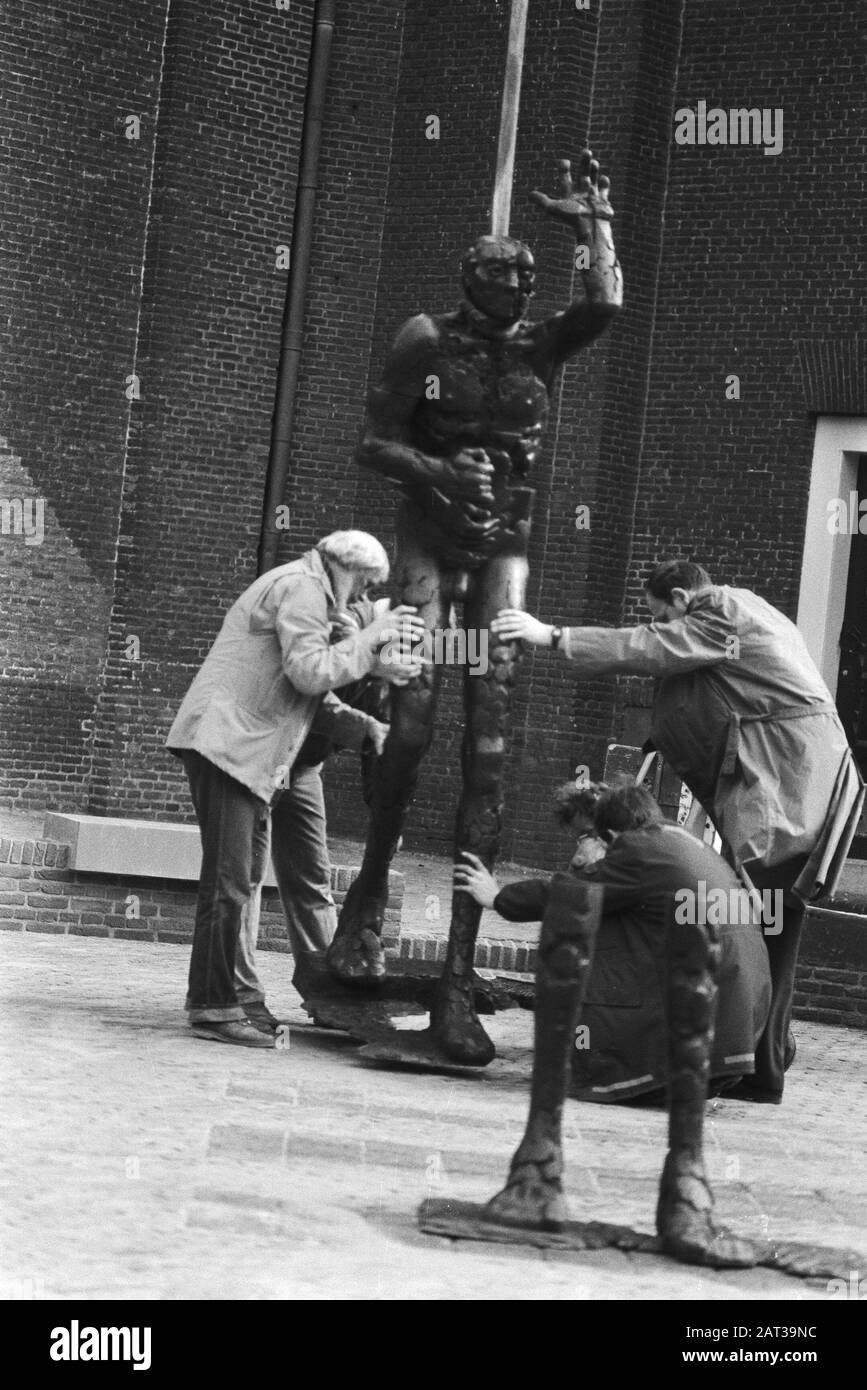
x: 140, y: 1162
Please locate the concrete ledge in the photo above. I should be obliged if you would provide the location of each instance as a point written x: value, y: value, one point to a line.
x: 835, y: 940
x: 143, y: 848
x: 41, y: 891
x: 853, y: 879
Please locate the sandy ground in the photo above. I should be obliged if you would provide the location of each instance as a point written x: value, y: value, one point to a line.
x: 140, y: 1162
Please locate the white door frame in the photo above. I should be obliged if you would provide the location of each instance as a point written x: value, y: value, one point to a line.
x: 825, y: 567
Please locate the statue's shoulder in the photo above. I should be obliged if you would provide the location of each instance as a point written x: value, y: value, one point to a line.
x: 421, y: 328
x: 539, y: 329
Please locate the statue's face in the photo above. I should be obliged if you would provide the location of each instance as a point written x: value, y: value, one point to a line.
x: 498, y: 281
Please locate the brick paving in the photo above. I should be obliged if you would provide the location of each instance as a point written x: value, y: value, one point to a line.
x: 140, y: 1162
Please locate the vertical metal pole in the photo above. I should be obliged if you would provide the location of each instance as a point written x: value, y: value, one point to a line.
x: 502, y: 204
x: 296, y: 291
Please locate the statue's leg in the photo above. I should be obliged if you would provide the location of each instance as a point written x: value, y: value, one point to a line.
x: 685, y: 1215
x: 487, y: 698
x: 533, y: 1195
x: 355, y: 955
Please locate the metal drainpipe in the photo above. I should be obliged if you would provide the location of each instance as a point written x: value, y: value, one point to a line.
x: 296, y: 291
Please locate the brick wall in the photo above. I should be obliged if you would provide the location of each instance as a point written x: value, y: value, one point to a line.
x: 223, y: 200
x: 75, y: 196
x: 223, y: 194
x: 161, y: 253
x: 615, y: 82
x: 39, y: 892
x: 747, y: 273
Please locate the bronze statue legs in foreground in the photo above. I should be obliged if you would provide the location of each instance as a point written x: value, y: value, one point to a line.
x: 356, y: 954
x: 531, y: 1208
x: 533, y: 1195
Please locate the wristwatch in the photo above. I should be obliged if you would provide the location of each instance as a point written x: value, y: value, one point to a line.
x: 556, y: 636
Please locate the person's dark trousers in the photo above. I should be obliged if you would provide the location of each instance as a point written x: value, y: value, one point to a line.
x: 299, y: 852
x: 235, y: 830
x: 783, y: 959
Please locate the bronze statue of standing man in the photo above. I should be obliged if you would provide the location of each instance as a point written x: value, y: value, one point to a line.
x: 457, y: 423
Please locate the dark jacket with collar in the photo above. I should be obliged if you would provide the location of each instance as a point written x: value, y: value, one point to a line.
x: 625, y: 1005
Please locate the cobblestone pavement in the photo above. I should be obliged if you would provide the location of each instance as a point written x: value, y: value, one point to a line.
x: 141, y: 1162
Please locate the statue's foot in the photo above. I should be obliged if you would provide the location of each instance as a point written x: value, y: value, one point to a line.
x: 355, y: 956
x: 455, y: 1029
x: 531, y: 1198
x: 685, y: 1219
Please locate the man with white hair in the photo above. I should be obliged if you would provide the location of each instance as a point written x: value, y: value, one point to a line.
x: 266, y: 682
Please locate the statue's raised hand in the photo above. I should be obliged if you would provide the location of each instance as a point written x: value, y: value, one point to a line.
x: 582, y: 201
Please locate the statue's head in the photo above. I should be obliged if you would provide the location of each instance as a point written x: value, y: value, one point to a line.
x: 498, y: 274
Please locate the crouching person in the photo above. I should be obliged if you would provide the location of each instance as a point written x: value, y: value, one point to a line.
x: 266, y: 682
x: 654, y: 875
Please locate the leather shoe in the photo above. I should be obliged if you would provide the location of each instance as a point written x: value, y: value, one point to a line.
x: 238, y: 1031
x: 261, y: 1018
x: 748, y: 1090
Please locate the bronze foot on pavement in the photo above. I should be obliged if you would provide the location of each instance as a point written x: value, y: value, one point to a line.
x: 357, y: 958
x: 685, y: 1219
x: 456, y: 1029
x: 532, y: 1198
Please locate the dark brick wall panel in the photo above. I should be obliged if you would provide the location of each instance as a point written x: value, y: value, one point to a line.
x: 615, y: 84
x: 746, y: 273
x: 75, y: 194
x: 224, y: 188
x: 749, y: 274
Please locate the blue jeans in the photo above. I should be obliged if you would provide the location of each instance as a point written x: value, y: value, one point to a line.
x: 299, y: 853
x: 235, y: 827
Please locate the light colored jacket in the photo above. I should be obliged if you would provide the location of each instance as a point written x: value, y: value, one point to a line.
x: 743, y: 716
x: 267, y: 679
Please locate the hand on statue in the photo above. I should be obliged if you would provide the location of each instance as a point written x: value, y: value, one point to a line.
x: 512, y: 625
x: 396, y: 624
x: 469, y: 474
x: 474, y: 878
x: 581, y: 203
x: 343, y: 624
x: 377, y: 733
x: 396, y: 668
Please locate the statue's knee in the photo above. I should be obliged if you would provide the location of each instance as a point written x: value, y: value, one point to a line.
x: 691, y: 1009
x: 411, y: 730
x: 483, y: 763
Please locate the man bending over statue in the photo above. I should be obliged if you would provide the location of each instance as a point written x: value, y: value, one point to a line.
x: 743, y: 717
x: 457, y: 424
x: 266, y: 682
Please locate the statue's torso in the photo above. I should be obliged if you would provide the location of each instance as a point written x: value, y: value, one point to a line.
x: 492, y: 395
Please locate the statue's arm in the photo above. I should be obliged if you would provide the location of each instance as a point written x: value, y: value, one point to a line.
x: 593, y: 310
x: 584, y: 207
x: 388, y: 444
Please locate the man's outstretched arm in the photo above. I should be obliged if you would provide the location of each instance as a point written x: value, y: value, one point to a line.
x: 651, y: 649
x: 524, y: 901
